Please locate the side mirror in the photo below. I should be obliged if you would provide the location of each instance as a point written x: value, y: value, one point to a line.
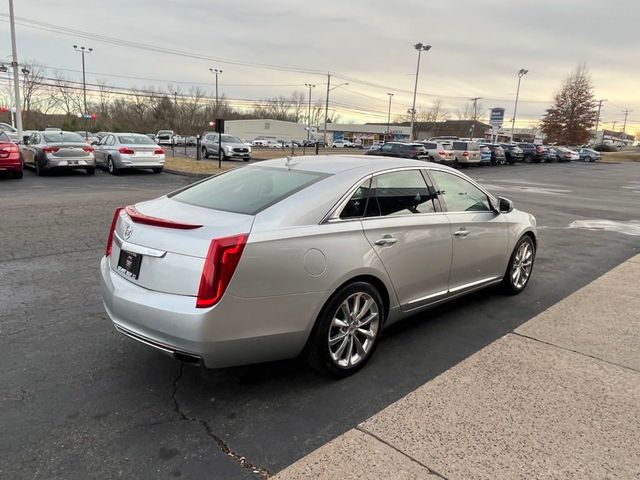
x: 94, y: 143
x: 505, y: 205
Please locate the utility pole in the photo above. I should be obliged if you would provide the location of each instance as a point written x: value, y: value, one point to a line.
x: 388, y: 117
x: 475, y: 115
x: 215, y: 71
x: 522, y: 72
x: 600, y: 102
x: 420, y: 47
x: 326, y: 111
x: 85, y: 114
x: 626, y: 114
x: 14, y: 64
x: 309, y: 86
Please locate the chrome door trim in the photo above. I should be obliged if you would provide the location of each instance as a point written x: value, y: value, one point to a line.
x: 472, y: 284
x: 428, y: 297
x: 131, y: 247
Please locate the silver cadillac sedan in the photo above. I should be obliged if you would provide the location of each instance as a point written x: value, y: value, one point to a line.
x: 306, y: 255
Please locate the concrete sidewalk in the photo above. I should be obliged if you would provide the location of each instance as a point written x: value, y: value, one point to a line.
x: 557, y: 398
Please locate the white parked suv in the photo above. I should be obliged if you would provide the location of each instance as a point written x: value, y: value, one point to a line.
x: 342, y: 144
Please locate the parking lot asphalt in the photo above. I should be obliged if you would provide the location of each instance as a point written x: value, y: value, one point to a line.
x: 80, y: 401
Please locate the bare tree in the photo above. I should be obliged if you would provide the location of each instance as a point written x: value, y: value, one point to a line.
x: 69, y: 96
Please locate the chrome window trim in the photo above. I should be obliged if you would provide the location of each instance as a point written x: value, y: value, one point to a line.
x: 334, y: 213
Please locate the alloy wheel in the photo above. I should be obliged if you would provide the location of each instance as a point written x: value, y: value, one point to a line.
x: 353, y: 330
x: 522, y: 265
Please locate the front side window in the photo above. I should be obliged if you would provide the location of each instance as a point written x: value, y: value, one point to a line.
x: 460, y: 195
x: 400, y: 193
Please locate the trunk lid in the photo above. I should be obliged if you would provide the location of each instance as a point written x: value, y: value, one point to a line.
x: 170, y: 259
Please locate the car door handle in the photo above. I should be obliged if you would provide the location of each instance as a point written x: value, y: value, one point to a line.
x: 386, y: 240
x: 463, y: 232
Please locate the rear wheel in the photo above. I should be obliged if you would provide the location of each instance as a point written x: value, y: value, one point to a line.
x: 17, y: 174
x: 91, y: 171
x: 520, y: 266
x: 39, y: 169
x: 587, y: 158
x: 111, y: 166
x: 347, y: 330
x: 157, y: 170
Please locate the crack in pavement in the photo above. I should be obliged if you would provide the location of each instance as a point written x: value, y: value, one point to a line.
x: 239, y: 459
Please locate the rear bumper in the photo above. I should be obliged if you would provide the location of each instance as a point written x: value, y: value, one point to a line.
x: 236, y: 331
x: 55, y: 163
x: 140, y: 162
x: 11, y: 165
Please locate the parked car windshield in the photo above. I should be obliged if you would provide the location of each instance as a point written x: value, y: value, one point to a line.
x: 135, y: 140
x: 57, y: 137
x: 232, y: 139
x: 247, y: 190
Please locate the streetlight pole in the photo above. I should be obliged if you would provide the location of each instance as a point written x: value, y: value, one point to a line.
x: 82, y: 51
x: 522, y: 72
x: 388, y: 116
x: 326, y: 105
x: 14, y: 64
x: 600, y: 102
x: 215, y: 71
x: 309, y: 86
x: 420, y: 48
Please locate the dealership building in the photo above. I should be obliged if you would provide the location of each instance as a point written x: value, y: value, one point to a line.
x: 269, y: 129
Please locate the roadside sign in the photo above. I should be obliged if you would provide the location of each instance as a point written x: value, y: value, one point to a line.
x: 497, y: 117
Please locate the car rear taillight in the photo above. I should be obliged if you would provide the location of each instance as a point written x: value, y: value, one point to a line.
x: 50, y: 149
x: 465, y: 154
x: 138, y: 217
x: 116, y: 214
x: 442, y: 153
x: 87, y: 149
x: 126, y: 151
x: 158, y: 151
x: 219, y: 266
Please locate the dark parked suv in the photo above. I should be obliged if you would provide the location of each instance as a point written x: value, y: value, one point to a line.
x: 402, y: 150
x: 498, y: 156
x: 533, y: 153
x: 512, y: 152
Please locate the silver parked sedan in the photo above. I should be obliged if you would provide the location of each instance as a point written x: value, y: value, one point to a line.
x: 306, y: 255
x: 58, y: 150
x: 118, y: 151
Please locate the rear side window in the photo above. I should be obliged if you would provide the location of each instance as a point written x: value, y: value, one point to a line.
x: 357, y: 204
x: 431, y: 146
x: 400, y: 193
x: 459, y: 146
x: 247, y: 190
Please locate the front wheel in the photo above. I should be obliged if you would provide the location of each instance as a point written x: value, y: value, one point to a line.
x: 587, y: 158
x: 205, y: 153
x: 347, y: 330
x: 520, y: 266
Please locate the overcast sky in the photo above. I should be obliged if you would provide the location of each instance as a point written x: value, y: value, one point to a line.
x: 478, y: 46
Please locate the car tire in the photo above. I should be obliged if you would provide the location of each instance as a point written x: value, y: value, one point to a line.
x: 527, y: 158
x: 340, y: 344
x: 39, y: 169
x: 456, y: 163
x: 587, y: 158
x: 520, y: 263
x: 205, y: 153
x: 157, y: 170
x: 18, y: 175
x: 91, y: 171
x: 246, y: 159
x: 111, y: 166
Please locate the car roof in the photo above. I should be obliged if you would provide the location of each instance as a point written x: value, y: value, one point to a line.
x: 334, y: 164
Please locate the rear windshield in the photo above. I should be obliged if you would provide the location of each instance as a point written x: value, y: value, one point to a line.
x: 135, y: 140
x: 247, y: 190
x: 55, y: 137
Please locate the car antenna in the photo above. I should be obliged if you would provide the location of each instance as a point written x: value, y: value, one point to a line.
x: 289, y: 161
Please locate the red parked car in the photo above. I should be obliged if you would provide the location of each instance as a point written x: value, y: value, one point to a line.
x: 10, y: 158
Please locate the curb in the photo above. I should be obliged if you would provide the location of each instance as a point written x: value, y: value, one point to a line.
x: 187, y: 174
